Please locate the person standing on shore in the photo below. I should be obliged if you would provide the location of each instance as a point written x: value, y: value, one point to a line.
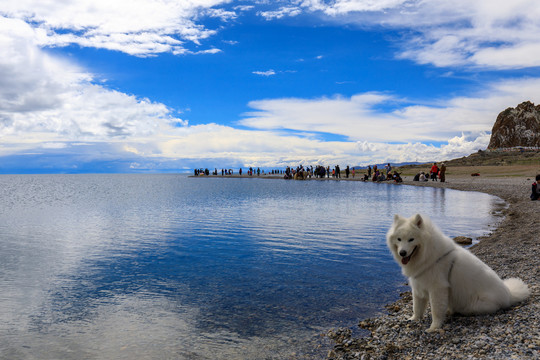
x: 388, y: 170
x: 442, y: 172
x: 535, y: 194
x: 434, y: 172
x: 347, y: 171
x: 369, y: 171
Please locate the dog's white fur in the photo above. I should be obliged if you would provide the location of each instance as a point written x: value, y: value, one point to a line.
x: 450, y: 277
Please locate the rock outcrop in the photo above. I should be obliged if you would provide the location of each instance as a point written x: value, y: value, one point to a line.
x: 515, y: 127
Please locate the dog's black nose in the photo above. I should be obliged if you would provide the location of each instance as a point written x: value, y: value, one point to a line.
x: 402, y: 253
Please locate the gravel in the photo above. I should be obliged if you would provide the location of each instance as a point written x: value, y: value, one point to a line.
x: 512, y: 250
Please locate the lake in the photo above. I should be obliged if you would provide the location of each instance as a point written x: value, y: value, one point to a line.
x: 169, y: 266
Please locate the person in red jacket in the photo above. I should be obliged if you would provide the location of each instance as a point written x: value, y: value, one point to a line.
x: 434, y: 172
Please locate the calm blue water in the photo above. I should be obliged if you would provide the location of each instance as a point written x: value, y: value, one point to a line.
x: 166, y: 266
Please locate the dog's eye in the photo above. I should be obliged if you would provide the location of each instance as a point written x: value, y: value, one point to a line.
x: 411, y: 240
x: 398, y: 239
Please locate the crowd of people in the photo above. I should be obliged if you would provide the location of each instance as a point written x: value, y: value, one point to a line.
x: 435, y: 173
x: 227, y: 172
x: 318, y: 172
x: 376, y: 175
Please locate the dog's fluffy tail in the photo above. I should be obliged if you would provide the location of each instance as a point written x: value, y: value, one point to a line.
x: 518, y: 289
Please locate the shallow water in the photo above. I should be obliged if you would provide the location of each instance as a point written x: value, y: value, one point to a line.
x: 166, y: 266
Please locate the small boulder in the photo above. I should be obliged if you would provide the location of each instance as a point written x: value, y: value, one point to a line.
x: 463, y: 240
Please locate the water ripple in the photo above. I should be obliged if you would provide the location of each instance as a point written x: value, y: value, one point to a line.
x: 165, y: 266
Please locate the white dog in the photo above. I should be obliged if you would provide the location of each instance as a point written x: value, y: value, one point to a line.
x: 450, y: 277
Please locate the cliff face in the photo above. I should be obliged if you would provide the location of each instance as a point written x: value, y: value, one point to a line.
x: 518, y: 126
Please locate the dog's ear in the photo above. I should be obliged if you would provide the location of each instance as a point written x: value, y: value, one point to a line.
x: 418, y: 221
x: 398, y: 219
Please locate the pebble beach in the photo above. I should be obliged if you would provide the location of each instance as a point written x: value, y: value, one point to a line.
x: 512, y: 250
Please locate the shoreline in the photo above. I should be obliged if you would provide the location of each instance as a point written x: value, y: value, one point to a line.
x: 511, y: 250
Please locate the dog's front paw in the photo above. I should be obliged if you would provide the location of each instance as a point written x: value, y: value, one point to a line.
x: 434, y: 327
x: 436, y: 330
x: 414, y: 318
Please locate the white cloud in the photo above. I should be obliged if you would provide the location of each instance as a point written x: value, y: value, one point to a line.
x: 338, y: 7
x: 136, y: 27
x: 485, y: 33
x: 442, y: 130
x: 455, y: 147
x: 519, y: 55
x: 231, y: 42
x: 48, y: 105
x: 330, y: 115
x: 209, y: 51
x: 358, y: 118
x: 265, y: 73
x: 249, y: 147
x: 54, y: 145
x: 497, y: 34
x: 280, y: 13
x: 44, y: 99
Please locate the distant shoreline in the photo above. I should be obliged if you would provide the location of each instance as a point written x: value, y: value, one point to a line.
x: 461, y: 172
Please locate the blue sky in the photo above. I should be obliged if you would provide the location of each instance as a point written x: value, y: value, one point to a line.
x: 166, y: 86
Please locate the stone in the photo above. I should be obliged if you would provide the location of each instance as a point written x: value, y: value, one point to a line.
x: 463, y: 240
x: 517, y: 127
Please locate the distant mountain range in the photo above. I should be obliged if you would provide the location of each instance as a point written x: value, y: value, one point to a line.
x: 491, y: 158
x: 381, y: 166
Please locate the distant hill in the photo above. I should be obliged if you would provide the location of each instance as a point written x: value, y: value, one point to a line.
x: 487, y: 158
x: 480, y: 158
x: 381, y: 166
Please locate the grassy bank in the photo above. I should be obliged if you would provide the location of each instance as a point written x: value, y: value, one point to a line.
x: 490, y: 164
